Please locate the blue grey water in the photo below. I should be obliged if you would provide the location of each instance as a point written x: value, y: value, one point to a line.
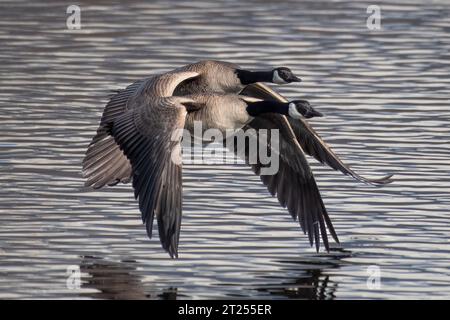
x: 385, y: 94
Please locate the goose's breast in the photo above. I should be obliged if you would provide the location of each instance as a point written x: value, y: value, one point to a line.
x: 221, y: 114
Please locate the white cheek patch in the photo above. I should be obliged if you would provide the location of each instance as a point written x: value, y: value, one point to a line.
x: 293, y: 112
x: 277, y: 79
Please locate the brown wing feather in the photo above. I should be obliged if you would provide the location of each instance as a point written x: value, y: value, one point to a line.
x: 104, y: 163
x: 294, y: 183
x: 310, y: 142
x: 145, y: 135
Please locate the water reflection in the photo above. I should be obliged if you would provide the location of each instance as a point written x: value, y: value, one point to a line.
x: 312, y: 286
x: 296, y: 279
x: 305, y: 278
x: 385, y: 97
x: 118, y: 281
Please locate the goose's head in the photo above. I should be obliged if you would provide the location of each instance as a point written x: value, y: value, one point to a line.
x: 295, y: 109
x: 299, y: 108
x: 283, y: 75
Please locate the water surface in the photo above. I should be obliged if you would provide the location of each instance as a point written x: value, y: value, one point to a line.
x: 385, y: 95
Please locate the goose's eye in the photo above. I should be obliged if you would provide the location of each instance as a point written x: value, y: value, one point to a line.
x: 284, y: 74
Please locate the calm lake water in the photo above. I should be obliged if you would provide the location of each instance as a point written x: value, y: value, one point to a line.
x: 385, y: 94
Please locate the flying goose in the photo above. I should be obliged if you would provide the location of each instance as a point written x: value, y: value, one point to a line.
x: 225, y: 77
x: 105, y: 163
x: 145, y: 133
x: 293, y: 184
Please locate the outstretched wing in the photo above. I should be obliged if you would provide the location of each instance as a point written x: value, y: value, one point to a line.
x: 293, y: 183
x: 150, y: 138
x: 104, y: 163
x: 310, y: 142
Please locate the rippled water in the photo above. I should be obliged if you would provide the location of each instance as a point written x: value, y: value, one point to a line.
x: 385, y: 95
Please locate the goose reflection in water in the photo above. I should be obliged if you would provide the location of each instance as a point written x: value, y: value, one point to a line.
x: 118, y: 281
x: 304, y: 279
x: 311, y: 285
x: 299, y: 279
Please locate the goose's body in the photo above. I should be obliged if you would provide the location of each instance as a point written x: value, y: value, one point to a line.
x: 225, y: 77
x: 135, y: 140
x: 213, y: 116
x: 209, y: 79
x: 105, y: 163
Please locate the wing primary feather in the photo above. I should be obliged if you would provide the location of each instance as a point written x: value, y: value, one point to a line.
x: 309, y: 140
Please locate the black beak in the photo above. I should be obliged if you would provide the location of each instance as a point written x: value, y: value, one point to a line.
x: 293, y: 78
x: 313, y: 113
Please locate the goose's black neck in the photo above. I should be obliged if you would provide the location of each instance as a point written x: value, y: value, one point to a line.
x: 249, y: 77
x: 256, y: 108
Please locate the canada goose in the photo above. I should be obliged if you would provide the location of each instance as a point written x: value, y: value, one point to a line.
x: 229, y: 112
x: 225, y: 77
x: 145, y: 133
x: 294, y: 184
x: 105, y: 163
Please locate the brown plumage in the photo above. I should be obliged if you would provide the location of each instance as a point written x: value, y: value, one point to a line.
x: 135, y: 139
x: 105, y: 164
x: 135, y: 142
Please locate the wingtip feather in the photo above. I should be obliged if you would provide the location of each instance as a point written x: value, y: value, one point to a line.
x: 380, y: 181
